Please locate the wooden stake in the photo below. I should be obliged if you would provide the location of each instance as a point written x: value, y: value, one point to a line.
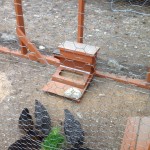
x: 20, y: 23
x: 148, y: 77
x: 81, y: 7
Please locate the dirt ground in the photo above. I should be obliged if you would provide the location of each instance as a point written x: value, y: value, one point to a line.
x: 5, y: 86
x: 106, y: 105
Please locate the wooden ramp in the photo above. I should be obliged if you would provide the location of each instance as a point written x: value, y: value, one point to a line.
x: 137, y: 134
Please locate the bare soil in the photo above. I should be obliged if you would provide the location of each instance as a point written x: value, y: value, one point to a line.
x: 106, y: 105
x: 5, y: 86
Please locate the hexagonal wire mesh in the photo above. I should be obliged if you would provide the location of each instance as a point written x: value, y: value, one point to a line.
x: 105, y: 106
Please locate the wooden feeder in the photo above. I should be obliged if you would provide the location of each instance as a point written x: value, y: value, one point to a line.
x: 79, y: 59
x: 73, y: 57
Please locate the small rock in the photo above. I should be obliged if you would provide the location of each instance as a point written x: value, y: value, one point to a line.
x: 125, y: 45
x: 79, y: 115
x: 89, y: 35
x: 102, y: 95
x: 131, y: 54
x: 36, y: 16
x: 73, y: 93
x: 97, y: 120
x: 41, y: 47
x: 97, y: 30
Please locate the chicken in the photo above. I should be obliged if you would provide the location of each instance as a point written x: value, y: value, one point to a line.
x: 25, y: 121
x: 26, y: 143
x: 35, y: 135
x: 73, y: 130
x: 43, y: 121
x: 78, y: 148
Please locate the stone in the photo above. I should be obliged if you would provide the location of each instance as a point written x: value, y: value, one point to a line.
x: 41, y: 47
x: 73, y: 93
x: 79, y: 115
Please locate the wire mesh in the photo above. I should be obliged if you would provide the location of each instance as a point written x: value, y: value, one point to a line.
x: 106, y: 105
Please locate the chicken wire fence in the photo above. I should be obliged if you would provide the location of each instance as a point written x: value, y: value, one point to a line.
x: 135, y: 6
x: 33, y: 119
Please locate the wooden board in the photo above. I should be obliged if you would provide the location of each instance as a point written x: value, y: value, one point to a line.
x: 79, y: 47
x: 137, y: 134
x: 58, y: 88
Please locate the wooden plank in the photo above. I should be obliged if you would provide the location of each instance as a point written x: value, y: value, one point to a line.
x: 137, y: 132
x: 75, y: 47
x: 30, y: 46
x: 76, y: 64
x: 124, y: 79
x: 143, y: 140
x: 148, y: 76
x: 58, y: 88
x: 50, y: 59
x: 81, y: 7
x: 20, y: 23
x: 129, y: 139
x: 80, y: 83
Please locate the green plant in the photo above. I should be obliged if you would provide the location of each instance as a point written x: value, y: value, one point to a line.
x: 54, y: 140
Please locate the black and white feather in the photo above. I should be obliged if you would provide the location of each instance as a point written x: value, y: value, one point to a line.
x: 42, y: 119
x: 73, y: 130
x: 26, y: 143
x: 25, y: 121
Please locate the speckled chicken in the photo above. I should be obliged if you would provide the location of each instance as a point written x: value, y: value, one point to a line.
x: 27, y: 143
x: 42, y: 118
x: 80, y: 148
x: 25, y: 121
x: 73, y: 130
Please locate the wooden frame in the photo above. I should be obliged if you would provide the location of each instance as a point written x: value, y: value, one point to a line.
x: 136, y: 135
x: 81, y: 8
x: 28, y: 50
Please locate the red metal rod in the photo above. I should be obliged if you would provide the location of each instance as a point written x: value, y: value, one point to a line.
x: 81, y: 7
x: 20, y: 22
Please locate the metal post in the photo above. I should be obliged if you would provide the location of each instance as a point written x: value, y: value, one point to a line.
x: 20, y: 23
x: 81, y: 7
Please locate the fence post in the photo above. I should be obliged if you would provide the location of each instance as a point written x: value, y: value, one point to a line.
x: 81, y: 7
x: 148, y: 76
x: 20, y: 23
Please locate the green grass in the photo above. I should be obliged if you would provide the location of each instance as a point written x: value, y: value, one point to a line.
x: 54, y: 140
